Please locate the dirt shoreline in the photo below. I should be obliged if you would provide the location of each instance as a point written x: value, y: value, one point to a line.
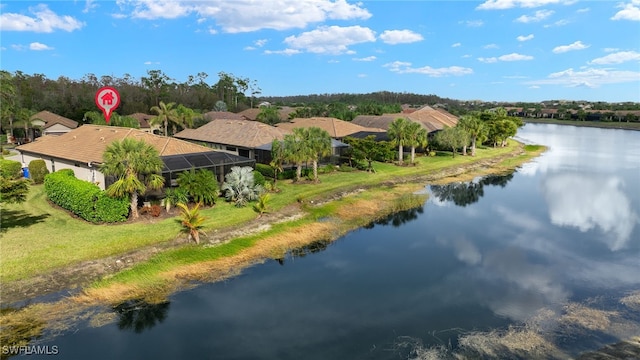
x: 70, y: 280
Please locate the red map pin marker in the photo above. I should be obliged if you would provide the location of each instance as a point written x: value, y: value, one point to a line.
x: 107, y: 99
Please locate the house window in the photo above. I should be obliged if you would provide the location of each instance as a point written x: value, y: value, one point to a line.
x: 53, y: 166
x: 231, y: 148
x: 243, y: 152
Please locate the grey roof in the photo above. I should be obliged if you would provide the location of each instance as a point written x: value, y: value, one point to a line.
x: 210, y: 159
x: 334, y: 144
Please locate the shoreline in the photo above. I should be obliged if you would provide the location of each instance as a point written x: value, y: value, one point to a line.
x: 70, y: 281
x: 635, y: 126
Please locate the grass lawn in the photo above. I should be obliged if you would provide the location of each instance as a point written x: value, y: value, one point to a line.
x: 37, y: 238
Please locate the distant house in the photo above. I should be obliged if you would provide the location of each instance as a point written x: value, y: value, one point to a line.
x: 213, y: 115
x: 431, y: 119
x: 52, y: 124
x: 240, y: 137
x: 145, y: 122
x: 81, y: 150
x: 337, y: 129
x: 283, y: 113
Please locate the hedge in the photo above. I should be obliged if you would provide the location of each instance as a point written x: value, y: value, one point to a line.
x: 38, y: 170
x: 83, y: 198
x: 10, y: 169
x: 265, y: 170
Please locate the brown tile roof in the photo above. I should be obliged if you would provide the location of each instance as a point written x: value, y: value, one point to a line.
x: 283, y: 113
x: 250, y: 114
x: 335, y: 127
x: 244, y: 133
x: 213, y: 115
x: 88, y: 142
x: 430, y: 118
x: 375, y: 121
x: 143, y: 119
x: 433, y: 119
x: 51, y: 119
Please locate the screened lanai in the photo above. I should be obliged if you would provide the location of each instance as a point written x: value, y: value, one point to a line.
x: 217, y: 161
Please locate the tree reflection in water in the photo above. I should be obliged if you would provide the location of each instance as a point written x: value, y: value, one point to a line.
x: 314, y: 247
x: 138, y: 315
x: 398, y: 218
x: 467, y: 193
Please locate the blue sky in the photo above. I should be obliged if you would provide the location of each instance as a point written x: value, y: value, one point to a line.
x: 493, y: 50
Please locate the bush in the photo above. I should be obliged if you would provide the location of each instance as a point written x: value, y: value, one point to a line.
x: 239, y: 186
x: 200, y: 185
x: 83, y: 198
x: 287, y: 174
x: 265, y: 170
x: 258, y: 178
x: 10, y: 169
x: 38, y: 170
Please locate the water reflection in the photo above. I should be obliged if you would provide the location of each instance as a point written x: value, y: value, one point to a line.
x: 138, y: 315
x: 397, y: 219
x: 589, y: 202
x: 467, y: 193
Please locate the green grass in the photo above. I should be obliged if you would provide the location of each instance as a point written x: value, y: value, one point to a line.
x: 37, y: 238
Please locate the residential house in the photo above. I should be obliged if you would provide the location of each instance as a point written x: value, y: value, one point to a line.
x: 283, y: 113
x: 145, y: 122
x: 52, y: 124
x: 81, y: 150
x: 433, y: 120
x: 337, y: 129
x: 240, y: 137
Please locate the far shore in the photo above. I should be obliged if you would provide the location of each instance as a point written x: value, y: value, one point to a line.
x: 597, y: 124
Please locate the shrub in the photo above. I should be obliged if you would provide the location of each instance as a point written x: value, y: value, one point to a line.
x: 83, y: 198
x: 38, y: 170
x: 10, y: 169
x: 287, y: 174
x: 265, y: 170
x: 239, y: 186
x: 258, y: 178
x: 200, y: 185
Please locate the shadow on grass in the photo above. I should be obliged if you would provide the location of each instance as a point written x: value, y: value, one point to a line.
x: 19, y: 218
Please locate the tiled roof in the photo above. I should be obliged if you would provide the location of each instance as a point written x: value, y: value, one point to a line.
x: 143, y: 119
x: 430, y: 118
x: 283, y: 113
x: 335, y: 127
x: 213, y: 115
x: 51, y: 119
x: 244, y: 133
x: 88, y: 142
x: 375, y: 121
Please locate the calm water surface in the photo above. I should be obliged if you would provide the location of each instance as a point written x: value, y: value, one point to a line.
x: 477, y: 256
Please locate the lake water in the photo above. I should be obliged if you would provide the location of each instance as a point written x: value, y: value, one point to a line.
x: 557, y: 237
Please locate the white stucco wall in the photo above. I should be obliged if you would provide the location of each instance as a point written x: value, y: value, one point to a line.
x: 81, y: 171
x: 56, y: 129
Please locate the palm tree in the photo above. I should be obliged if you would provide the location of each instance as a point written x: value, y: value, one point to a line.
x: 277, y: 159
x: 268, y: 115
x: 475, y: 128
x: 186, y: 116
x: 137, y: 165
x: 296, y: 150
x: 416, y: 136
x: 24, y: 118
x: 165, y: 113
x: 319, y: 144
x: 191, y: 221
x: 398, y: 134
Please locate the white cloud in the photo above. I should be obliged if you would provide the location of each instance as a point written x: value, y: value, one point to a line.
x: 466, y: 56
x: 406, y: 68
x: 561, y: 22
x: 589, y: 77
x: 617, y: 58
x: 525, y: 38
x: 400, y: 37
x: 283, y: 52
x: 3, y: 48
x: 362, y: 75
x: 39, y: 46
x: 44, y: 20
x: 578, y: 45
x: 507, y: 57
x: 515, y: 57
x: 247, y: 15
x: 534, y: 87
x: 456, y: 45
x: 331, y: 39
x: 89, y: 5
x: 630, y: 11
x: 17, y: 47
x: 212, y: 31
x: 508, y: 4
x: 491, y: 46
x: 584, y: 10
x: 151, y: 62
x: 537, y: 16
x: 611, y: 49
x: 261, y: 42
x: 368, y: 58
x: 472, y: 23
